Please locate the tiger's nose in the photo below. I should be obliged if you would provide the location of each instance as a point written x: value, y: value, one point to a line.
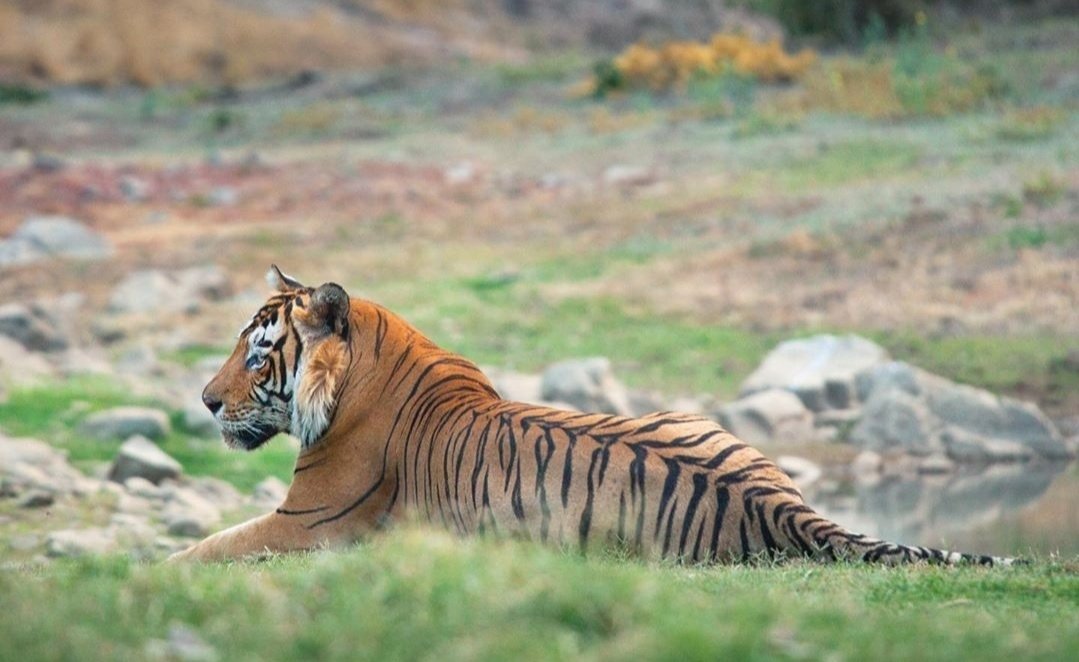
x: 212, y: 403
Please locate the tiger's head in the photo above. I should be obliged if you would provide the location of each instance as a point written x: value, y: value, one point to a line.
x: 287, y: 365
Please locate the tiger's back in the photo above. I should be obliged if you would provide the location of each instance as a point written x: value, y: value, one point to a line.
x: 665, y: 485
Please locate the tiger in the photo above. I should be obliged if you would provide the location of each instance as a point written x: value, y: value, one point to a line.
x: 392, y: 427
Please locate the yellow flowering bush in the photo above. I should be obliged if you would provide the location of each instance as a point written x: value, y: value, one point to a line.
x: 674, y: 64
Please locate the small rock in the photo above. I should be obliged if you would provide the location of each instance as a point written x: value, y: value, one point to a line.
x: 107, y: 330
x: 936, y: 464
x: 188, y: 525
x: 28, y: 464
x: 690, y: 405
x: 642, y: 403
x: 134, y: 189
x: 141, y: 487
x: 32, y: 326
x: 53, y: 236
x: 460, y: 174
x: 766, y: 416
x: 220, y: 493
x: 131, y: 504
x: 77, y: 361
x: 188, y: 514
x: 627, y: 176
x: 804, y: 472
x: 124, y: 422
x: 48, y: 162
x: 24, y: 543
x: 517, y: 386
x: 79, y: 542
x: 182, y: 644
x: 21, y: 367
x: 270, y: 492
x: 145, y: 291
x: 37, y: 499
x: 867, y: 462
x: 223, y: 196
x: 140, y: 457
x: 208, y: 282
x: 198, y: 419
x: 149, y: 290
x: 139, y: 359
x: 588, y: 385
x: 15, y: 252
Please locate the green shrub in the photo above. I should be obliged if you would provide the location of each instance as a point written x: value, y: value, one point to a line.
x: 1027, y: 237
x: 24, y: 95
x: 1043, y: 189
x: 844, y: 21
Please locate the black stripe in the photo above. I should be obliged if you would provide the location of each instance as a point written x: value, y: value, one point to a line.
x: 306, y: 511
x: 700, y: 483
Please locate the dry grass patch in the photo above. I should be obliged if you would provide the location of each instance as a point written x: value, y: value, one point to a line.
x: 108, y: 42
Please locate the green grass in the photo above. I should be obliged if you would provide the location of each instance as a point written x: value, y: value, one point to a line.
x: 1001, y: 364
x: 511, y: 324
x: 414, y: 594
x: 190, y: 355
x: 848, y: 161
x: 53, y: 412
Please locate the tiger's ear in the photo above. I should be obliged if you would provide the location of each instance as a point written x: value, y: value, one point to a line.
x: 326, y: 313
x: 282, y: 282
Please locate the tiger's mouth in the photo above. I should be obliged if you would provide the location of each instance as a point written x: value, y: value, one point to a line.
x: 248, y: 437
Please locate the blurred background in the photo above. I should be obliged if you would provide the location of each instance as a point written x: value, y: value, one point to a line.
x: 841, y: 228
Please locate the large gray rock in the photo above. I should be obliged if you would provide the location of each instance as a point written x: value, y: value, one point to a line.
x: 32, y: 326
x: 586, y: 384
x: 982, y: 414
x: 41, y: 237
x: 151, y: 290
x: 189, y: 514
x: 124, y: 422
x: 146, y: 291
x: 30, y: 465
x: 140, y: 457
x: 886, y: 376
x: 911, y: 410
x: 766, y: 416
x: 894, y: 420
x: 820, y: 370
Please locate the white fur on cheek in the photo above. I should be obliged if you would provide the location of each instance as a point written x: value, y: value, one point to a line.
x: 311, y: 408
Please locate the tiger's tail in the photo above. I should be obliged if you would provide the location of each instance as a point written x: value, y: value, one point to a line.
x: 829, y: 541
